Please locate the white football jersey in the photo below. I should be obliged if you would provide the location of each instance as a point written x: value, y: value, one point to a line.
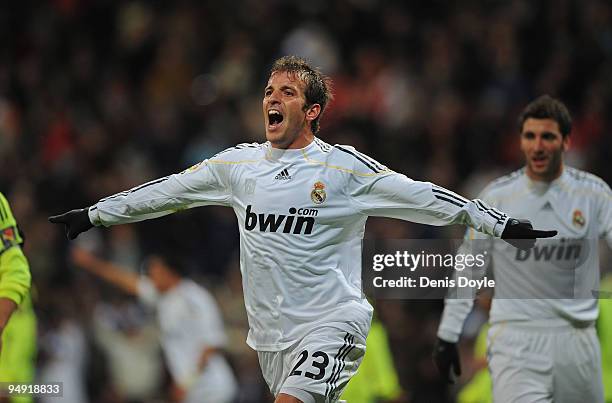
x: 558, y: 278
x: 301, y: 216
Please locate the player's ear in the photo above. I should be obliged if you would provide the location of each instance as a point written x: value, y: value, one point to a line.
x: 566, y: 142
x: 313, y: 112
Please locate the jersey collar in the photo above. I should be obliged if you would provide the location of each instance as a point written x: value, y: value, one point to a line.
x: 540, y: 188
x: 287, y: 155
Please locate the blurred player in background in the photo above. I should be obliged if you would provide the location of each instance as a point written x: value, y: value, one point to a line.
x: 377, y: 380
x: 541, y: 348
x: 192, y: 334
x: 302, y: 206
x: 604, y: 330
x: 17, y: 320
x: 479, y: 388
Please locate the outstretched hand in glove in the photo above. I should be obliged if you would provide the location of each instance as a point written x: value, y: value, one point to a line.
x: 75, y: 222
x: 521, y: 235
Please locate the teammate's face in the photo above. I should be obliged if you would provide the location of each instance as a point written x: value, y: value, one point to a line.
x: 543, y: 146
x: 159, y: 273
x: 287, y: 120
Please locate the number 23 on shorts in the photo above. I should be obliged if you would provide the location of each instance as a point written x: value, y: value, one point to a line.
x: 319, y: 361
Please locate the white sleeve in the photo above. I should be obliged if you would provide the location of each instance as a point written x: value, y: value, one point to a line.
x: 147, y: 293
x: 206, y: 183
x: 605, y: 215
x: 459, y: 301
x: 453, y: 317
x: 393, y: 195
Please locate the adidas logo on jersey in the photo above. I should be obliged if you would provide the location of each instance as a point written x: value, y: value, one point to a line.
x: 283, y: 175
x: 287, y: 224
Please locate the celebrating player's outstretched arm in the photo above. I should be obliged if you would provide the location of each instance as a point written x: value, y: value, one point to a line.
x: 519, y: 233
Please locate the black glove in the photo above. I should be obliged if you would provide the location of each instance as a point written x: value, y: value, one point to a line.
x: 75, y: 222
x: 521, y: 235
x: 446, y: 358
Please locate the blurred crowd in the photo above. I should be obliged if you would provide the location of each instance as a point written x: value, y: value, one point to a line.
x: 98, y: 96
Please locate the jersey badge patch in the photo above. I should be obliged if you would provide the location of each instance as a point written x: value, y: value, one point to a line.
x: 578, y: 219
x: 249, y: 186
x: 8, y: 234
x: 318, y: 194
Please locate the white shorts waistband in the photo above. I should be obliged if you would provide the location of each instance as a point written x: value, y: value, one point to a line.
x: 545, y: 324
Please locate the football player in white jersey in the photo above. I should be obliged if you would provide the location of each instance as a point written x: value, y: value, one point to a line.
x: 542, y: 343
x: 192, y: 335
x: 301, y: 205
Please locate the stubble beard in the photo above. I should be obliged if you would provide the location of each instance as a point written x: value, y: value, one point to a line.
x: 552, y: 171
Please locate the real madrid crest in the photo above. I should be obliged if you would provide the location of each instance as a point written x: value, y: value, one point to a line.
x: 318, y: 194
x: 578, y: 219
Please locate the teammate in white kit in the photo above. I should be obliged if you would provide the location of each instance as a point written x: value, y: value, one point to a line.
x: 302, y: 206
x: 192, y: 334
x: 542, y: 344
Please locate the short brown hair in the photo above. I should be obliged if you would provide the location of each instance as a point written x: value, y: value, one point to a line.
x: 547, y: 107
x: 318, y: 85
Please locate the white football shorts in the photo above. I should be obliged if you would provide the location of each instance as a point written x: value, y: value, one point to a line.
x: 544, y: 361
x: 317, y: 368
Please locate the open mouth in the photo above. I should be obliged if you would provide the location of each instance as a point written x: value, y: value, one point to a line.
x: 275, y: 118
x: 539, y: 160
